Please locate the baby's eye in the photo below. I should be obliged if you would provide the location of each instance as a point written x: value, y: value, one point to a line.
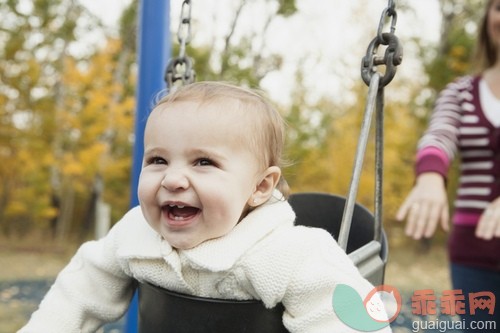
x: 204, y: 161
x: 156, y: 160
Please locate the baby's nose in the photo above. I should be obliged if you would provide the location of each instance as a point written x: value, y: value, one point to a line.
x: 175, y: 180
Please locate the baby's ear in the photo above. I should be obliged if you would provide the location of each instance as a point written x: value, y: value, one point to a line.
x: 265, y: 187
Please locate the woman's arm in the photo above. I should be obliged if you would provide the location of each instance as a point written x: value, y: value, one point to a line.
x: 425, y: 207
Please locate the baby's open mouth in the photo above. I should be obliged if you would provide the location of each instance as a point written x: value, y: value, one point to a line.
x: 180, y: 212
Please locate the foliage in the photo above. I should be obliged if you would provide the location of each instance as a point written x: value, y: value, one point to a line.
x: 98, y: 120
x: 65, y: 120
x: 34, y: 37
x: 453, y: 55
x: 326, y: 163
x: 66, y: 114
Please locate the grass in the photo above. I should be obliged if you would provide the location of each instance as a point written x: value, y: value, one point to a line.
x: 415, y: 265
x: 31, y: 260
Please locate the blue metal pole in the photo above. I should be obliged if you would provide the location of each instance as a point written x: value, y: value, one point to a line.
x: 153, y: 53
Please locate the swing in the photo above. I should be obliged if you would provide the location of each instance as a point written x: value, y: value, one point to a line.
x: 356, y: 229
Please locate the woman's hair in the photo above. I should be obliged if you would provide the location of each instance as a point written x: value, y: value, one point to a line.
x: 266, y: 124
x: 486, y: 51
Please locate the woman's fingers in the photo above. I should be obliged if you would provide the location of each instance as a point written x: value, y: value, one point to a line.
x: 423, y: 219
x: 489, y: 224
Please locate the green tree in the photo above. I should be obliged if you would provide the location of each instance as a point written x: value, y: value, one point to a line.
x: 452, y: 56
x: 240, y: 59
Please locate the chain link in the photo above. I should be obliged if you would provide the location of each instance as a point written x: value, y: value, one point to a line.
x: 180, y: 69
x: 375, y: 105
x: 393, y: 55
x: 388, y: 12
x: 184, y: 30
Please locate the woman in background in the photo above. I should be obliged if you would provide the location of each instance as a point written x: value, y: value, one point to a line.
x: 465, y: 122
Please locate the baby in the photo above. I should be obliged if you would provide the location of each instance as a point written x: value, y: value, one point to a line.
x: 213, y: 221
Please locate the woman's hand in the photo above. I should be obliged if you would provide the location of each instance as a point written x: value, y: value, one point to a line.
x: 489, y: 222
x: 426, y: 206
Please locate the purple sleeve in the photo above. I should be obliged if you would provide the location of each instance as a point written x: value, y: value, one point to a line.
x: 432, y: 159
x: 438, y: 145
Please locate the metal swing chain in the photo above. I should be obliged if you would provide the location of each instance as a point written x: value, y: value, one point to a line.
x: 393, y: 55
x: 375, y: 100
x: 180, y: 68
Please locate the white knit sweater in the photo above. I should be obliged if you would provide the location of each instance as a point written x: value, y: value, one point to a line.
x: 265, y: 257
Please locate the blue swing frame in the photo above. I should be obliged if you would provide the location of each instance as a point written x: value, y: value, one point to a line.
x: 154, y: 50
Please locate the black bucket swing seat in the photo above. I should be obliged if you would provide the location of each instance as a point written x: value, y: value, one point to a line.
x: 164, y: 311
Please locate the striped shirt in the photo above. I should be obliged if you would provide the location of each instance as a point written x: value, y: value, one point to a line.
x: 463, y: 124
x: 466, y: 122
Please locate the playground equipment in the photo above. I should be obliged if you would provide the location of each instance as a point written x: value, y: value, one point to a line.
x: 357, y: 230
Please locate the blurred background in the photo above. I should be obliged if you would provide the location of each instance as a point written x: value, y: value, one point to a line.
x: 68, y: 73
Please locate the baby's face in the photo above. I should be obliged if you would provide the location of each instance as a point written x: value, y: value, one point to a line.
x: 198, y: 174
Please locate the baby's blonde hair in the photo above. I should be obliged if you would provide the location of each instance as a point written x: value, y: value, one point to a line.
x: 267, y: 125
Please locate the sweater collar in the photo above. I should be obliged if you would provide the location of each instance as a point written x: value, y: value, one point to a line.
x: 214, y: 255
x: 222, y: 253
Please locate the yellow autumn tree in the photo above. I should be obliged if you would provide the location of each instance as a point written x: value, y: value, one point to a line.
x: 326, y: 163
x: 94, y: 144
